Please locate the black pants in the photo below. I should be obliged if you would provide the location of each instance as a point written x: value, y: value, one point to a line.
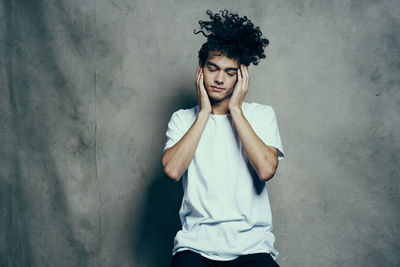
x: 188, y: 258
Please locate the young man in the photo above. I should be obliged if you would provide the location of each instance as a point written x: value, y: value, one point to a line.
x: 224, y: 150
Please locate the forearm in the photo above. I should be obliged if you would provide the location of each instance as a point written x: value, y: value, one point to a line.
x: 177, y: 158
x: 263, y: 159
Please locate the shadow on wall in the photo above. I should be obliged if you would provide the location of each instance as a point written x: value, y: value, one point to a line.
x: 159, y: 222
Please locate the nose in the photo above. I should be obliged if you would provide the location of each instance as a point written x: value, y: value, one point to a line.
x: 218, y: 79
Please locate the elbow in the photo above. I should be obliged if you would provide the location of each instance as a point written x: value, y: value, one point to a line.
x: 266, y: 176
x: 173, y: 175
x: 169, y: 170
x: 267, y: 173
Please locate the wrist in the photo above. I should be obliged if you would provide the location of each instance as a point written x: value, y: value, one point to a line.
x: 235, y: 110
x: 204, y: 113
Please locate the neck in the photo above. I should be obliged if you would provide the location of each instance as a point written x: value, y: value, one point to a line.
x: 220, y: 107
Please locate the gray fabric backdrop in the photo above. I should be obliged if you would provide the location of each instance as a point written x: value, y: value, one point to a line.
x: 88, y: 87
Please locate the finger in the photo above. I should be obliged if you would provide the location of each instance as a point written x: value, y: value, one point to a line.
x: 243, y: 77
x: 199, y: 81
x: 197, y: 71
x: 246, y: 75
x: 202, y: 82
x: 239, y: 76
x: 246, y: 71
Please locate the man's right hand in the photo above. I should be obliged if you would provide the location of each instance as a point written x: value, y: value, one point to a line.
x: 177, y: 158
x: 202, y: 96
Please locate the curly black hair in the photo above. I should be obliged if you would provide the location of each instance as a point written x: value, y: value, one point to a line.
x: 234, y: 36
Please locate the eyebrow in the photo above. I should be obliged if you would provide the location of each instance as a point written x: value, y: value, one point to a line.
x: 215, y: 65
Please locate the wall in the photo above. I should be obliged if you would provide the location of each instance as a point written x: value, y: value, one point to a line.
x: 88, y: 87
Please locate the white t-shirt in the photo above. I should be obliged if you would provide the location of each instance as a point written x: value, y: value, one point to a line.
x: 225, y: 210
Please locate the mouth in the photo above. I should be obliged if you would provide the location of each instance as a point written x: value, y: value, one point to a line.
x: 217, y: 89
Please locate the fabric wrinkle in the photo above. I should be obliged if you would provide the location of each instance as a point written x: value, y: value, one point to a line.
x: 222, y: 215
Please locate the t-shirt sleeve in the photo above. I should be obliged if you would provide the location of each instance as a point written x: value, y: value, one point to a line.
x: 268, y: 130
x: 176, y: 130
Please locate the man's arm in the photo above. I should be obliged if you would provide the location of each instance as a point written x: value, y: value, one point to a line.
x: 177, y: 158
x: 262, y: 157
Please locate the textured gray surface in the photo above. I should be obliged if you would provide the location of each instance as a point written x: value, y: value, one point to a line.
x: 88, y: 87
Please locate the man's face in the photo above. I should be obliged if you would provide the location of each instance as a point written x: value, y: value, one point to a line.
x: 220, y: 76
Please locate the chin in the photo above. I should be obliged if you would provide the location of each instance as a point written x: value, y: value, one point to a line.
x: 219, y: 98
x: 215, y: 96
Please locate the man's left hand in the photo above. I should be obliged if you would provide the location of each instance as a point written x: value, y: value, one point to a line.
x: 241, y: 88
